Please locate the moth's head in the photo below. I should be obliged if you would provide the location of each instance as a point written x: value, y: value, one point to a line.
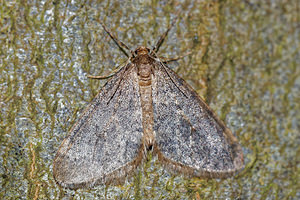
x: 142, y: 51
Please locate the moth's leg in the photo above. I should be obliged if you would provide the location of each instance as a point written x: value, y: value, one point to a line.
x: 100, y: 77
x: 127, y: 67
x: 120, y: 44
x: 111, y: 75
x: 179, y: 88
x: 165, y: 68
x: 122, y: 71
x: 163, y: 36
x: 167, y: 60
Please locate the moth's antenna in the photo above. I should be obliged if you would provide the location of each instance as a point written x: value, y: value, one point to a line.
x: 163, y: 36
x: 120, y: 44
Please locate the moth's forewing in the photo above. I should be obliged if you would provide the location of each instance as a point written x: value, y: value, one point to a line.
x: 105, y: 144
x: 189, y: 137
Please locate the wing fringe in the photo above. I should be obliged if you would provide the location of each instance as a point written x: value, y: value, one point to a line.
x: 176, y: 167
x: 117, y: 177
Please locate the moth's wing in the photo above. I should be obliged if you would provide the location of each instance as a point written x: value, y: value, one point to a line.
x: 189, y: 137
x: 104, y: 145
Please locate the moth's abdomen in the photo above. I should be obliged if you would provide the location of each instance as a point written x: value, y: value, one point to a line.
x: 144, y: 73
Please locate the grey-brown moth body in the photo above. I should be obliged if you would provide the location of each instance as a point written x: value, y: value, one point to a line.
x: 144, y: 106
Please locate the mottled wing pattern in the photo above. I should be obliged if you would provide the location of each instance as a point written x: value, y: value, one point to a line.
x: 105, y: 144
x: 189, y: 137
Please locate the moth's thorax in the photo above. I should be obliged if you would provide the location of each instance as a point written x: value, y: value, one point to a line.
x: 144, y: 65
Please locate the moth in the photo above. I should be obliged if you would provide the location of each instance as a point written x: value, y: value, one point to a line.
x: 145, y: 107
